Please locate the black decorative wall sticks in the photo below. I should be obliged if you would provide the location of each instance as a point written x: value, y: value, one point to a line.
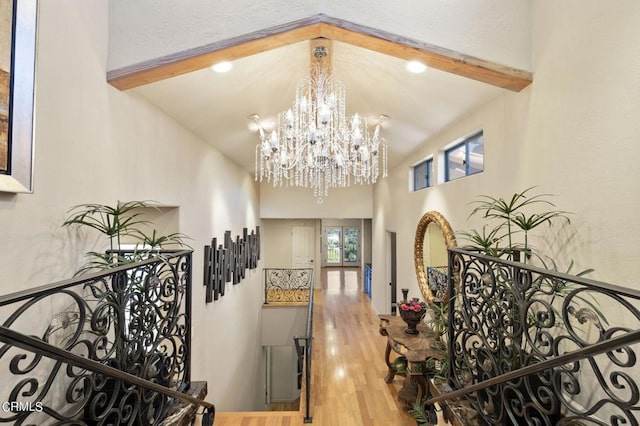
x: 229, y: 261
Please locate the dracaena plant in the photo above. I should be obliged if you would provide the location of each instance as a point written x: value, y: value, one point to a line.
x: 124, y: 220
x: 114, y: 308
x: 509, y: 217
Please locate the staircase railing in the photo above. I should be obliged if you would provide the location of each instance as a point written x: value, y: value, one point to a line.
x: 533, y: 346
x: 437, y: 281
x: 106, y: 348
x: 287, y: 284
x: 41, y: 349
x: 599, y: 348
x: 303, y: 349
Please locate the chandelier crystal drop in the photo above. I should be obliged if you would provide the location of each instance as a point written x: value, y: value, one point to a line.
x: 315, y: 145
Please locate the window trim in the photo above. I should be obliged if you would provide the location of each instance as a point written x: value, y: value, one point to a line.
x: 428, y: 161
x: 464, y: 141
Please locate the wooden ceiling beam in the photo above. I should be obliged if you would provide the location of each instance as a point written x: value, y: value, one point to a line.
x: 310, y: 28
x: 325, y: 62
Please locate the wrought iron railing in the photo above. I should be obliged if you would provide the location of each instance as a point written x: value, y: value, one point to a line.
x: 303, y: 346
x: 333, y: 254
x: 437, y: 280
x: 106, y: 348
x: 532, y: 346
x: 287, y: 285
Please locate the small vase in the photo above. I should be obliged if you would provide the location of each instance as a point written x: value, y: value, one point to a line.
x: 412, y: 319
x: 411, y: 329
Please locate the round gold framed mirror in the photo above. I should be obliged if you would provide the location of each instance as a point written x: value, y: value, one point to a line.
x: 433, y: 237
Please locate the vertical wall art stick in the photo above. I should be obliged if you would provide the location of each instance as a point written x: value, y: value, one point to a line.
x: 236, y: 261
x: 220, y: 281
x: 257, y: 243
x: 208, y: 282
x: 227, y: 259
x: 228, y: 262
x: 254, y: 243
x: 215, y: 266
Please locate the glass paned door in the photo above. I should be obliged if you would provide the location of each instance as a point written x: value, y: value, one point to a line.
x: 333, y: 246
x: 351, y: 239
x: 341, y: 246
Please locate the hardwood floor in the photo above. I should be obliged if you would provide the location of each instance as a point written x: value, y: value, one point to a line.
x: 284, y: 406
x: 347, y: 386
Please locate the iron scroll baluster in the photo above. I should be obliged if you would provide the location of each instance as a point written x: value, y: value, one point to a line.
x: 135, y: 319
x: 536, y: 346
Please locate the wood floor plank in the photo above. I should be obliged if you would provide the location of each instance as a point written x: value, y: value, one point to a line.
x: 348, y: 368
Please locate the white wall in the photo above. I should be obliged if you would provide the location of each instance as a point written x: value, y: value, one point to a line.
x: 398, y: 210
x: 96, y: 144
x: 366, y: 240
x: 292, y: 202
x: 572, y: 133
x: 280, y: 324
x: 584, y: 112
x: 284, y: 374
x: 493, y: 30
x: 278, y: 253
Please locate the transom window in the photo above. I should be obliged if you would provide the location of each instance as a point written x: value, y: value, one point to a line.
x: 465, y: 158
x: 422, y: 174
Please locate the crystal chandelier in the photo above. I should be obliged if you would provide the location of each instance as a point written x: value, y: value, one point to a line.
x: 314, y: 144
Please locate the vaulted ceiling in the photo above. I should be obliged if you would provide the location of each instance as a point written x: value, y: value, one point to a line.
x: 267, y: 64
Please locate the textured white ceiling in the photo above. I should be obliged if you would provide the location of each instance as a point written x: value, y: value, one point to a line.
x: 216, y: 106
x: 494, y: 30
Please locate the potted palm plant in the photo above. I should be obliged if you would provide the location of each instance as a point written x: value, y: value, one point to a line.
x: 506, y: 234
x: 117, y: 223
x: 117, y: 304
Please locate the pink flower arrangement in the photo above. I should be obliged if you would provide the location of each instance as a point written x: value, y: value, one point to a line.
x: 413, y: 305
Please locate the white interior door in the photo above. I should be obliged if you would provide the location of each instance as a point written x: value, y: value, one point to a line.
x: 303, y: 247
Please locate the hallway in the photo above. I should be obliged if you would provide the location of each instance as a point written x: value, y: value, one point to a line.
x: 347, y: 385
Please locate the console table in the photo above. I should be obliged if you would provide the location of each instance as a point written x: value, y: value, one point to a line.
x: 415, y: 353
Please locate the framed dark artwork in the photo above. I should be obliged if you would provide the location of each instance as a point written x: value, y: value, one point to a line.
x: 17, y: 78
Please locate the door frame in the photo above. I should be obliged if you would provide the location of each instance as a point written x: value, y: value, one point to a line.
x: 393, y: 272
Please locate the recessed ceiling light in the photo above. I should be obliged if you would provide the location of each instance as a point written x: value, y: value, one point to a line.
x: 416, y: 67
x: 222, y: 67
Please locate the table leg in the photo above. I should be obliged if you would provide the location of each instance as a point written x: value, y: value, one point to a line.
x: 392, y: 371
x: 409, y: 393
x: 416, y: 385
